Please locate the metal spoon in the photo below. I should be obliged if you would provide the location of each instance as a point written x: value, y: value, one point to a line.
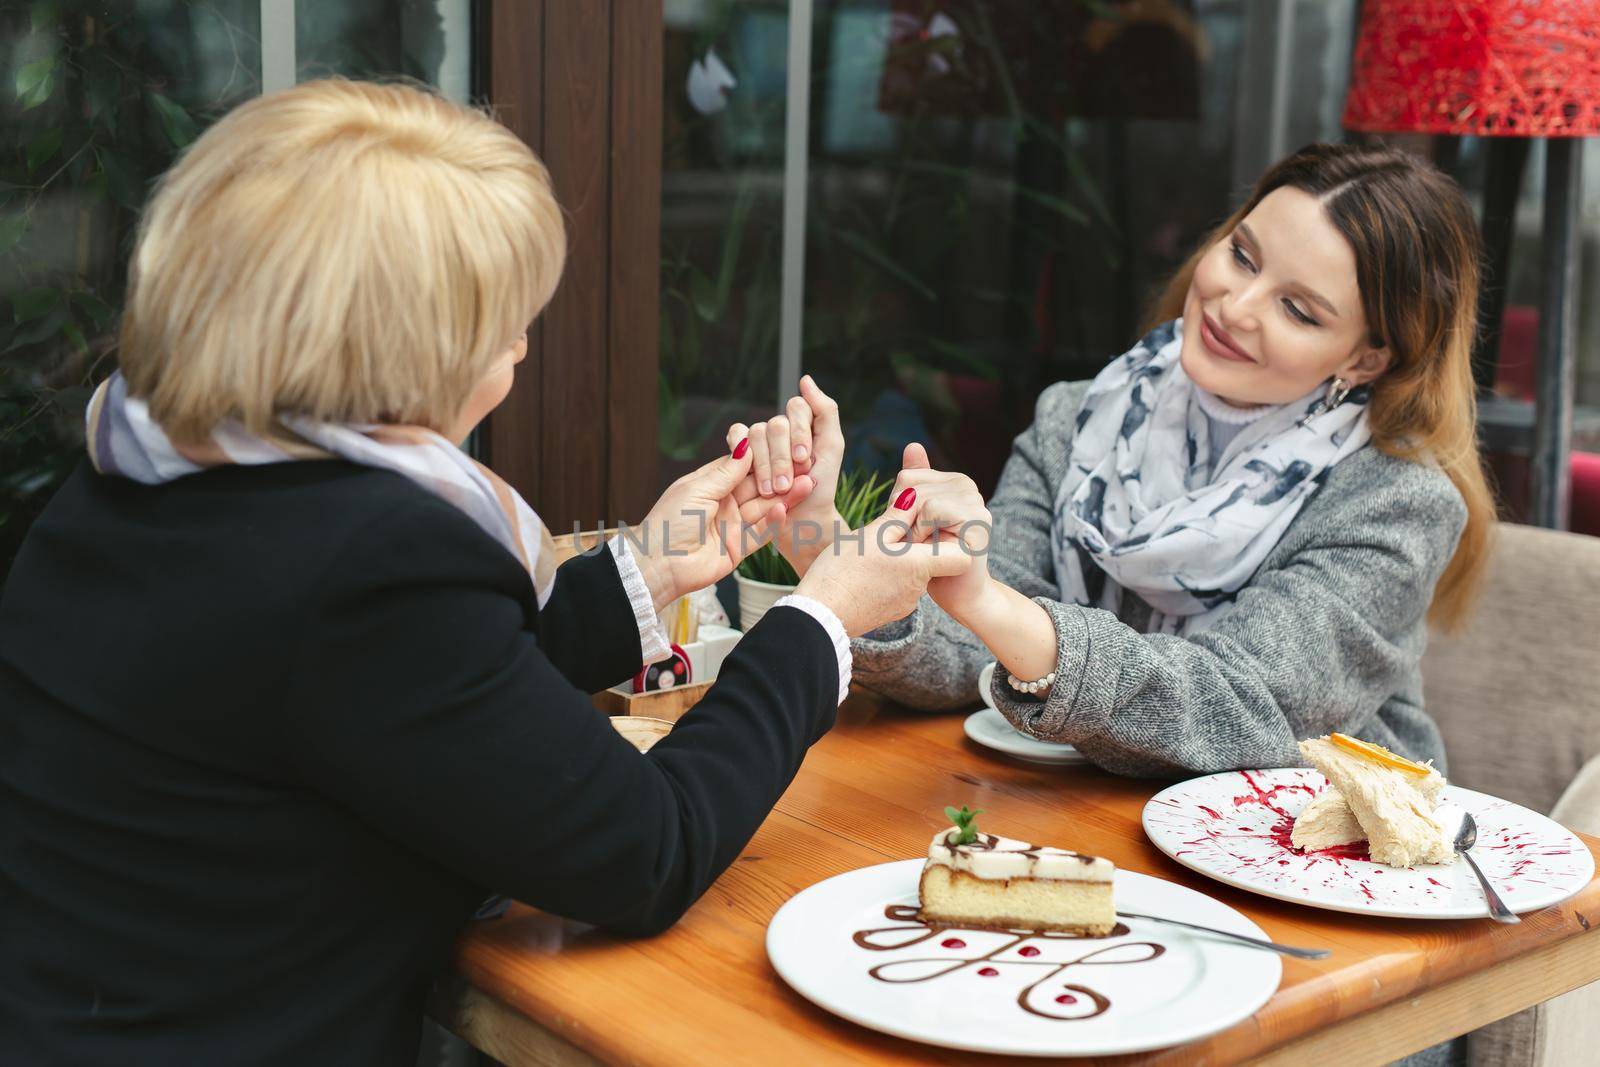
x: 1287, y: 950
x: 1466, y: 837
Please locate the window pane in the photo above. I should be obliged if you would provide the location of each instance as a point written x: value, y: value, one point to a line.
x: 1519, y: 326
x: 98, y: 99
x: 428, y: 41
x: 994, y: 192
x: 725, y: 69
x: 97, y: 102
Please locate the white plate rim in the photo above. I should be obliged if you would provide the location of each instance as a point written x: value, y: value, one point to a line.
x: 1226, y: 917
x: 1022, y: 748
x: 1454, y: 794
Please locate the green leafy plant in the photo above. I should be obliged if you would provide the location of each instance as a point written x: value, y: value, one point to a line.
x: 860, y: 498
x: 98, y: 100
x: 766, y: 564
x: 966, y: 825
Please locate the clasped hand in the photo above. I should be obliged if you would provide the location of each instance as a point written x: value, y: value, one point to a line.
x: 779, y: 480
x: 705, y: 524
x: 807, y: 441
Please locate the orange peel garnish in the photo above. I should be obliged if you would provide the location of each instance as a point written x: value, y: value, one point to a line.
x: 1378, y: 754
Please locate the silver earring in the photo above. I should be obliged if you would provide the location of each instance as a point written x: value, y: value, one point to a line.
x: 1338, y: 389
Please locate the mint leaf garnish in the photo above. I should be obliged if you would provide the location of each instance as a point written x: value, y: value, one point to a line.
x: 967, y: 830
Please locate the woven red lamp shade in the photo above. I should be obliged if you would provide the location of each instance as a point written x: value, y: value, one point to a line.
x: 1491, y: 68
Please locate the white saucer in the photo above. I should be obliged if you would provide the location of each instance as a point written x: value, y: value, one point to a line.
x: 990, y: 729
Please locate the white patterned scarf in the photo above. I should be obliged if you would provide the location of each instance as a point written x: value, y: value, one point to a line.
x: 1141, y: 508
x: 124, y: 440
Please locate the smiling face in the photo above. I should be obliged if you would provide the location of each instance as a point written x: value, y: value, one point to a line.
x: 1274, y: 310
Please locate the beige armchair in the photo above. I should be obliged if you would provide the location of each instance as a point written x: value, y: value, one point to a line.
x: 1518, y: 698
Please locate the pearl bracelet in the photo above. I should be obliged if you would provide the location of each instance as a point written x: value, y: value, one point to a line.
x: 1034, y: 686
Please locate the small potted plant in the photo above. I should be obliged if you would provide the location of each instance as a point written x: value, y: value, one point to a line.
x: 764, y: 576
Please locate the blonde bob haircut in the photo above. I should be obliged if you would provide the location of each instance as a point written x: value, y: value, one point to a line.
x: 347, y: 251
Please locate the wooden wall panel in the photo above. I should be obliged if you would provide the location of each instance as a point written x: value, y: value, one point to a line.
x: 581, y: 83
x: 573, y: 432
x: 635, y: 253
x: 512, y: 45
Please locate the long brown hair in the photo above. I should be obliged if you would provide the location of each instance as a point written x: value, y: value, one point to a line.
x: 1417, y: 255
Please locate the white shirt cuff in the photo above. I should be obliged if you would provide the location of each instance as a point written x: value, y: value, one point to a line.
x: 830, y: 622
x: 653, y: 646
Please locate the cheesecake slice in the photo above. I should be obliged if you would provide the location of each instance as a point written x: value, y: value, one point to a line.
x: 996, y: 883
x: 1326, y: 822
x: 1390, y: 799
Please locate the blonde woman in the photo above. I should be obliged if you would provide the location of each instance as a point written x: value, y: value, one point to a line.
x: 1236, y: 535
x: 288, y: 683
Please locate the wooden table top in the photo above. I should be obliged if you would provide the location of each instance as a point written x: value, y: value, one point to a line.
x: 874, y: 790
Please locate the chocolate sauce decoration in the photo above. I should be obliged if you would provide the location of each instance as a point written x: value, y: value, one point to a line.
x: 1079, y: 997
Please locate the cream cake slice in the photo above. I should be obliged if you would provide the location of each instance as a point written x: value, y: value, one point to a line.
x: 1326, y: 822
x: 997, y: 883
x: 1391, y: 799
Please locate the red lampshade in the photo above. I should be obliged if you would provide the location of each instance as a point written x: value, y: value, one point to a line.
x: 1493, y: 68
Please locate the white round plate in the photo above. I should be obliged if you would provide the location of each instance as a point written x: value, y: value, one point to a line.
x: 843, y: 945
x: 990, y: 729
x: 1235, y: 826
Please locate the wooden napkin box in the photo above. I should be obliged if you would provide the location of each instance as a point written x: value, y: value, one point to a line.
x: 668, y: 704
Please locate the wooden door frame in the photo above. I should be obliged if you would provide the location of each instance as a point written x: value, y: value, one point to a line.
x: 580, y: 82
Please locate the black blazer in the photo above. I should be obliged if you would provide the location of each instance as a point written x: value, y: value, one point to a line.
x: 269, y: 735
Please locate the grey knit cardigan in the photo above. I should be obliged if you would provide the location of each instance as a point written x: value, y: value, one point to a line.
x: 1328, y: 635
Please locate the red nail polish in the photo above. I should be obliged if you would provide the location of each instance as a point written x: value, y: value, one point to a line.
x: 741, y: 448
x: 906, y: 499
